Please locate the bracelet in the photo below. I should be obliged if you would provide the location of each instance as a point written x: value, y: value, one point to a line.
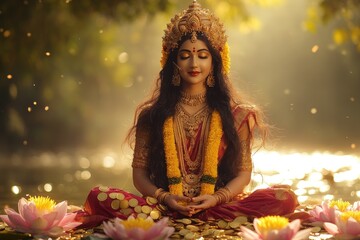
x: 157, y: 192
x: 223, y: 195
x: 160, y: 195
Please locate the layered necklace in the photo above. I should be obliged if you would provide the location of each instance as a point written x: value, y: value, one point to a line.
x: 184, y: 125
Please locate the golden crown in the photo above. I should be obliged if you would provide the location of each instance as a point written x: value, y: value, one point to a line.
x: 191, y: 21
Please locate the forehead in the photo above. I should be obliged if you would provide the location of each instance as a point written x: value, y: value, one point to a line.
x: 188, y: 45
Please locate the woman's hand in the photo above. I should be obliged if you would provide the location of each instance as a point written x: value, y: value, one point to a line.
x: 174, y: 202
x: 202, y: 202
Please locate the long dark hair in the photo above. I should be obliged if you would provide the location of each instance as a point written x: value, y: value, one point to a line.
x: 151, y: 114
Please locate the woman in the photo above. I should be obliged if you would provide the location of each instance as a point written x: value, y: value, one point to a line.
x: 193, y: 138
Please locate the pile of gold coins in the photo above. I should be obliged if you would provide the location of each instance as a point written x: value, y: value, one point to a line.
x: 131, y: 206
x: 193, y: 228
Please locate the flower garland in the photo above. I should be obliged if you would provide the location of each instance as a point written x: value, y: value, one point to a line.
x: 172, y: 162
x: 225, y: 57
x: 209, y: 177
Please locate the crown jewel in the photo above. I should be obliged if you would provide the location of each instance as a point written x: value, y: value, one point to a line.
x: 191, y: 21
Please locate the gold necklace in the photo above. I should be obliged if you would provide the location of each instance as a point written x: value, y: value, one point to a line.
x: 192, y: 100
x: 185, y: 129
x: 209, y: 175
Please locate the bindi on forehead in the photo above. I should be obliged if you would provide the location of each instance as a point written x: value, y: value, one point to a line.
x: 194, y: 49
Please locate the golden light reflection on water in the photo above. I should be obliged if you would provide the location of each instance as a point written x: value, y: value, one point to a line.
x: 312, y: 175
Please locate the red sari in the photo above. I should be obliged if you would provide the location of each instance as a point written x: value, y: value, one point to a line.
x: 104, y: 203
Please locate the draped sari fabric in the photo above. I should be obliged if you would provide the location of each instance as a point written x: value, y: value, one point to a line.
x: 104, y: 203
x: 262, y: 202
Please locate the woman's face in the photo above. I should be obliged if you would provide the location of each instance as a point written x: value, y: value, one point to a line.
x: 195, y: 63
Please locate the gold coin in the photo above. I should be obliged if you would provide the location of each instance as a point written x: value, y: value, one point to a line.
x: 113, y: 195
x: 207, y: 232
x: 316, y: 229
x: 102, y: 196
x: 151, y: 200
x: 104, y: 188
x: 179, y: 226
x: 146, y: 209
x: 184, y: 231
x: 196, y: 220
x: 184, y: 221
x: 120, y: 196
x: 154, y: 214
x: 206, y: 226
x: 222, y: 224
x: 126, y: 211
x: 229, y: 232
x: 133, y: 202
x: 142, y: 215
x: 192, y: 228
x: 137, y: 209
x: 161, y: 208
x: 115, y: 204
x: 190, y: 235
x: 124, y: 204
x: 241, y: 219
x: 234, y: 224
x: 218, y: 232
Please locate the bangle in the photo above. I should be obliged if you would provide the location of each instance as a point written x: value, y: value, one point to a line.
x: 160, y: 194
x: 223, y: 195
x: 157, y: 192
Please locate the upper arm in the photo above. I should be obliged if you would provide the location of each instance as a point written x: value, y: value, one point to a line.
x: 244, y: 123
x: 141, y: 150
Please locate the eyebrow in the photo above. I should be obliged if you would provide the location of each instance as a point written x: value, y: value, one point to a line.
x: 187, y: 50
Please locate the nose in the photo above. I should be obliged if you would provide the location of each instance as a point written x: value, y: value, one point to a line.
x: 194, y: 62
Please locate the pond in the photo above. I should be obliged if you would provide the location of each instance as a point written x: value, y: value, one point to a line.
x: 70, y: 175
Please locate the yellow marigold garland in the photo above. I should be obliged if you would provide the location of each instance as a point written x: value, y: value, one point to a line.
x: 211, y: 155
x: 172, y: 161
x: 225, y: 56
x: 209, y: 177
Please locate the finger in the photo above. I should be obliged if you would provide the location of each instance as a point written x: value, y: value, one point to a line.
x: 183, y: 198
x: 195, y: 211
x: 200, y: 206
x: 183, y: 208
x: 198, y: 199
x: 188, y: 214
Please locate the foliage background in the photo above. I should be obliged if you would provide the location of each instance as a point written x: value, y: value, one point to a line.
x: 72, y: 72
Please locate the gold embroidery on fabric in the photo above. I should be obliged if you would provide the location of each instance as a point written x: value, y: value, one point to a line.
x: 141, y: 150
x: 245, y: 153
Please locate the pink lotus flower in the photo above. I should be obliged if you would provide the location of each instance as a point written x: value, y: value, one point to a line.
x: 40, y: 216
x: 138, y: 229
x: 274, y: 228
x: 355, y: 206
x: 347, y: 225
x: 328, y: 210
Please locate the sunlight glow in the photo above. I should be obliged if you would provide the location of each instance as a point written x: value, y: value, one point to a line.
x: 16, y: 189
x: 48, y: 187
x: 84, y: 163
x: 85, y: 175
x: 315, y: 48
x: 313, y: 110
x: 312, y: 173
x: 108, y: 162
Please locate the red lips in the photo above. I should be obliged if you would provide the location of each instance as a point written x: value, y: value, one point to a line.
x: 194, y: 73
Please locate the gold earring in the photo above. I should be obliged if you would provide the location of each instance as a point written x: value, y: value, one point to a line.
x: 210, y: 80
x: 176, y: 78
